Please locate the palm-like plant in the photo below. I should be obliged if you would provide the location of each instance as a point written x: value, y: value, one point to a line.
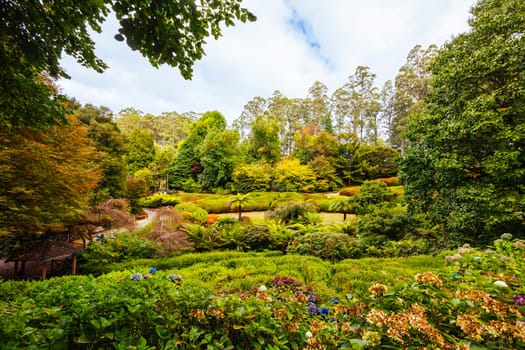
x: 240, y: 200
x: 281, y: 234
x: 342, y: 204
x: 233, y: 236
x: 204, y: 238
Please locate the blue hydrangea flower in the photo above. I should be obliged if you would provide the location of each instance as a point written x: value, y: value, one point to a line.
x: 334, y: 300
x: 312, y: 298
x: 137, y: 277
x: 456, y: 275
x: 324, y: 311
x: 152, y: 270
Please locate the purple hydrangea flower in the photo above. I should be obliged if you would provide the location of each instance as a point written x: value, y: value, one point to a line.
x: 312, y: 308
x: 519, y: 299
x: 312, y: 298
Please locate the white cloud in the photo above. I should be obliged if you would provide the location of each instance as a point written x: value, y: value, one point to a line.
x: 274, y: 53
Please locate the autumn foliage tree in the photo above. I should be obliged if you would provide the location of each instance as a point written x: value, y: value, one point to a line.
x: 45, y: 180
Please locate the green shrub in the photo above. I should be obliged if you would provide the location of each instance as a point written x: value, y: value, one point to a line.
x: 348, y: 227
x: 123, y: 246
x: 330, y: 246
x: 255, y: 177
x: 371, y: 194
x: 391, y: 222
x: 226, y: 220
x: 158, y: 200
x: 135, y: 190
x: 190, y: 185
x: 257, y: 237
x: 373, y: 162
x: 398, y: 191
x: 204, y: 238
x: 291, y: 212
x: 232, y: 235
x: 285, y: 197
x: 11, y: 290
x: 406, y: 247
x: 291, y: 176
x: 189, y: 207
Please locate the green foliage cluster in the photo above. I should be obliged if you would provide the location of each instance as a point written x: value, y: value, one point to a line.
x: 279, y: 301
x: 374, y: 163
x: 136, y: 189
x: 264, y: 143
x: 333, y: 246
x: 233, y: 270
x: 371, y: 195
x: 254, y: 177
x: 141, y: 150
x: 192, y: 212
x: 125, y: 246
x: 291, y: 176
x: 321, y: 201
x: 465, y: 163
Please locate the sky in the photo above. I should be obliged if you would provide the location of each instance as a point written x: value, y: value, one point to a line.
x: 292, y: 44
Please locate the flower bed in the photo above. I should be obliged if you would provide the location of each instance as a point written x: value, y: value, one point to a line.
x: 476, y: 300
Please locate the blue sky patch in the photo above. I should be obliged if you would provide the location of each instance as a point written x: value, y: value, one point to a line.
x: 300, y: 25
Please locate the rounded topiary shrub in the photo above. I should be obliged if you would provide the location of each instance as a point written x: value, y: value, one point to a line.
x: 257, y: 237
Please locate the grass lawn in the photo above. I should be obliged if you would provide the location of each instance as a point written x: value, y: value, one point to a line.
x: 258, y: 216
